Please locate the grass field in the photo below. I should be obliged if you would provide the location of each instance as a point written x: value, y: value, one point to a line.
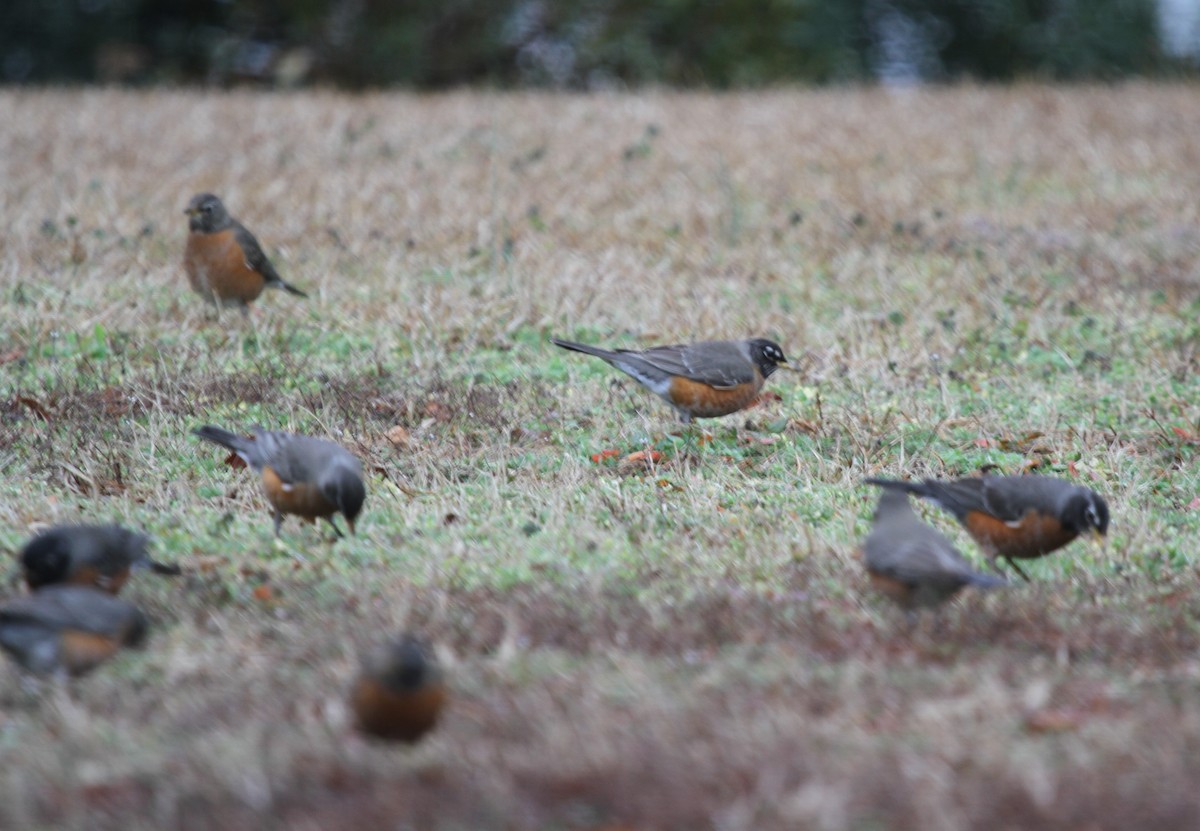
x: 963, y: 277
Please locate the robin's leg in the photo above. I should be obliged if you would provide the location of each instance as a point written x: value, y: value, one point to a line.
x: 1018, y: 569
x: 337, y: 531
x: 216, y: 304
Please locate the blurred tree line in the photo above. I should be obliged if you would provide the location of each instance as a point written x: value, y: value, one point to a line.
x: 580, y: 44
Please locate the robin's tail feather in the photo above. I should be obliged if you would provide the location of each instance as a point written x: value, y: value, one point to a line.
x: 596, y: 351
x: 289, y: 288
x: 915, y: 488
x: 231, y: 441
x: 165, y: 569
x: 987, y: 581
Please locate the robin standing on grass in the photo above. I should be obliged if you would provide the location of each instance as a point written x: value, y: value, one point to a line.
x: 400, y: 691
x: 68, y: 629
x: 1014, y: 517
x: 911, y: 562
x: 224, y: 262
x: 308, y: 477
x: 700, y: 380
x: 90, y: 555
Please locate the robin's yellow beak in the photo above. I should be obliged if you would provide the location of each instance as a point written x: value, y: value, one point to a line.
x: 190, y: 212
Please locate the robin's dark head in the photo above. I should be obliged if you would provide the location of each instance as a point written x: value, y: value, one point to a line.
x: 767, y: 355
x: 405, y: 664
x: 1084, y: 511
x: 344, y: 487
x: 206, y: 214
x: 46, y: 559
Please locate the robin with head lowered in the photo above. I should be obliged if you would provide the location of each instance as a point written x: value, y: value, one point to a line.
x: 308, y: 477
x: 91, y: 555
x: 399, y: 692
x: 224, y: 262
x: 1014, y: 517
x: 68, y: 629
x: 911, y: 562
x: 700, y: 380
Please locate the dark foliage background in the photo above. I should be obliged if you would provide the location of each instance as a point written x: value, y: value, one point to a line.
x: 587, y: 44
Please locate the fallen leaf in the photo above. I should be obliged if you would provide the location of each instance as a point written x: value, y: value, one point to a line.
x: 610, y: 453
x: 803, y: 425
x: 398, y: 436
x: 36, y: 406
x: 764, y: 397
x: 12, y: 355
x: 768, y: 440
x: 1053, y: 721
x: 437, y: 411
x: 207, y: 564
x: 983, y: 441
x: 235, y: 461
x: 640, y: 460
x: 450, y: 518
x: 263, y: 593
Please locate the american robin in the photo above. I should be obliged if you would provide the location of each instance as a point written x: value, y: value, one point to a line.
x: 92, y: 555
x: 309, y: 477
x: 911, y: 562
x: 70, y: 629
x: 400, y: 691
x: 700, y: 380
x: 1014, y: 517
x: 224, y: 262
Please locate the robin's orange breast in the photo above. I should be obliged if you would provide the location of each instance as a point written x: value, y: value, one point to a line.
x: 402, y: 716
x: 1035, y: 536
x: 301, y: 499
x: 704, y: 401
x: 216, y: 267
x: 899, y: 592
x: 93, y: 576
x: 80, y: 652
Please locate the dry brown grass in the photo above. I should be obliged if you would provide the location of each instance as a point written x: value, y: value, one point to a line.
x: 965, y: 275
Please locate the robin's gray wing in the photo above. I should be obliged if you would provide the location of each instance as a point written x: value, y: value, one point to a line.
x: 302, y: 458
x: 959, y: 496
x: 75, y: 607
x: 1007, y: 498
x: 720, y: 364
x: 255, y: 258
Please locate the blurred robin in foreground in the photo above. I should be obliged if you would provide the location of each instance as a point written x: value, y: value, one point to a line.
x: 224, y: 262
x: 309, y: 477
x: 92, y: 555
x: 911, y: 562
x: 68, y: 629
x: 400, y: 691
x: 1015, y: 517
x: 700, y: 380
